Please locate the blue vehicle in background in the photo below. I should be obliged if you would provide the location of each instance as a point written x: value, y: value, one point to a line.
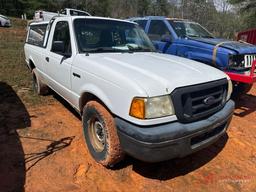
x: 189, y: 39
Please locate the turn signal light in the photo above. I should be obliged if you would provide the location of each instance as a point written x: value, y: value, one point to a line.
x: 138, y: 108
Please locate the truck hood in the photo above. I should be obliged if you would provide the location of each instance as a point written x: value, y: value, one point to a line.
x: 155, y: 73
x: 239, y: 47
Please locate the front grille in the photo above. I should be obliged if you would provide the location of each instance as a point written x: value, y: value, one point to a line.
x: 199, y: 101
x: 248, y: 60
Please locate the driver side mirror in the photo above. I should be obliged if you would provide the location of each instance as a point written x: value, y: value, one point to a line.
x: 166, y: 38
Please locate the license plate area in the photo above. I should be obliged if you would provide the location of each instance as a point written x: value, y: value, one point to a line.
x: 197, y: 140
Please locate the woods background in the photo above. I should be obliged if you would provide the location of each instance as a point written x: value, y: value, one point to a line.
x: 221, y: 17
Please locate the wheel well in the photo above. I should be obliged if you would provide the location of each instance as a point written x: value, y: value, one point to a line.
x: 31, y: 65
x: 86, y: 97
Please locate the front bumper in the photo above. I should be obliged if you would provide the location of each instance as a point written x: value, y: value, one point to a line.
x: 172, y: 140
x: 248, y: 77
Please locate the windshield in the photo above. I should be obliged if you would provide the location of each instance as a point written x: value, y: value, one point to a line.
x: 98, y: 35
x: 4, y: 17
x: 189, y: 29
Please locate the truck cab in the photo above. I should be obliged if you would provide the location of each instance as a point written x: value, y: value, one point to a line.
x: 189, y: 39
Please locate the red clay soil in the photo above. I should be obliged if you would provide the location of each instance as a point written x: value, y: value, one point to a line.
x: 46, y: 151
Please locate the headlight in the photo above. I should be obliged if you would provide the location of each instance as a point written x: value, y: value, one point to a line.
x: 230, y: 89
x: 236, y: 61
x: 154, y: 107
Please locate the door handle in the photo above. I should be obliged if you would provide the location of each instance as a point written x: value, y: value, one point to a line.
x: 47, y: 59
x: 76, y: 75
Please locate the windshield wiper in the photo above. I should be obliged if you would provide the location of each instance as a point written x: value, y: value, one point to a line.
x: 101, y: 50
x: 208, y: 36
x: 199, y: 36
x: 191, y: 36
x: 139, y: 48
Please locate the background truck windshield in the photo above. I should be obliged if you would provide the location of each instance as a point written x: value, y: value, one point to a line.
x: 189, y: 29
x: 98, y: 35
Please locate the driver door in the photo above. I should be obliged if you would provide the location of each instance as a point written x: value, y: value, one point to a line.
x: 59, y: 61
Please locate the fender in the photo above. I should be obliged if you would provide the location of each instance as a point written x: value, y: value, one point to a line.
x: 96, y: 91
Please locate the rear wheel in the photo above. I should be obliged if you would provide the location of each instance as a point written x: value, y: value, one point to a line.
x: 38, y: 86
x: 101, y: 134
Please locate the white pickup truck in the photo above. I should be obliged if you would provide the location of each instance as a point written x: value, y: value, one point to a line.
x: 132, y: 99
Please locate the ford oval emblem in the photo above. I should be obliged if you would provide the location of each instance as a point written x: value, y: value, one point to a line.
x: 209, y: 100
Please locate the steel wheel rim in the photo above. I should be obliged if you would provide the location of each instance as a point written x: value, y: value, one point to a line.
x: 97, y: 135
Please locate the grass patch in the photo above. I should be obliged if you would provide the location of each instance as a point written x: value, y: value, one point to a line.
x: 13, y: 69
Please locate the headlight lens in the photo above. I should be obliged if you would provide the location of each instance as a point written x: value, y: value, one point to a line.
x: 236, y: 61
x: 154, y: 107
x: 230, y: 89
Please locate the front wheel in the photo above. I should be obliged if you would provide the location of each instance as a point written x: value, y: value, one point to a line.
x: 101, y: 134
x: 241, y: 89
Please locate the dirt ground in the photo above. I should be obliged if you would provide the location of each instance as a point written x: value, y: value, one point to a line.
x: 42, y: 149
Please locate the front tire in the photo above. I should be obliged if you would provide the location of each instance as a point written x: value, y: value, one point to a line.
x: 241, y: 89
x: 38, y: 86
x: 101, y: 135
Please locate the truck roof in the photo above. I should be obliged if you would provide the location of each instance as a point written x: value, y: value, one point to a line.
x: 75, y: 17
x: 96, y: 17
x: 158, y: 17
x: 82, y: 17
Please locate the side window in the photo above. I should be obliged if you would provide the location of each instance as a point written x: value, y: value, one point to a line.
x: 142, y: 23
x: 158, y: 30
x: 62, y: 35
x: 36, y: 34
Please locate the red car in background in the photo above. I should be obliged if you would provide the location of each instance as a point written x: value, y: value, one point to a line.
x: 248, y: 36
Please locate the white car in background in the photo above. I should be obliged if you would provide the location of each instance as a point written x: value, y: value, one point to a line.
x: 5, y: 21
